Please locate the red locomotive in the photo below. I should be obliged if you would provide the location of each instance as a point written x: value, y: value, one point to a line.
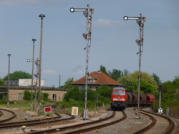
x: 120, y: 99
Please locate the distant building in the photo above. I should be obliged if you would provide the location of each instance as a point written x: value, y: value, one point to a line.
x: 95, y: 80
x: 23, y: 82
x: 16, y: 93
x: 54, y: 94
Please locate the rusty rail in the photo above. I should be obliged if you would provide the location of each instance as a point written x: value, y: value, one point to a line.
x: 169, y: 129
x: 34, y: 122
x: 8, y: 119
x: 83, y: 130
x: 1, y: 113
x: 82, y: 125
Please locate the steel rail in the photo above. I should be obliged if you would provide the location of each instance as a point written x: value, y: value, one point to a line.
x: 169, y: 129
x: 1, y: 113
x: 8, y: 119
x: 83, y: 130
x: 171, y: 126
x: 53, y: 130
x: 152, y: 124
x: 60, y: 129
x: 34, y: 122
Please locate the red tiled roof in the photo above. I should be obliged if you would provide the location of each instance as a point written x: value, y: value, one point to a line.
x: 98, y: 78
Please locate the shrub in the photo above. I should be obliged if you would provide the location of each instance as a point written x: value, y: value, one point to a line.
x: 45, y: 96
x: 4, y: 100
x: 27, y: 95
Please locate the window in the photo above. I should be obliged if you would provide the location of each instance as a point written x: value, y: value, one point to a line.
x: 20, y: 96
x: 122, y: 92
x: 54, y: 97
x: 115, y: 92
x: 91, y: 80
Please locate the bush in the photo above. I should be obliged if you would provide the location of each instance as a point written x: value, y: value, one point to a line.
x: 1, y: 82
x: 44, y: 96
x: 27, y: 95
x: 170, y: 96
x: 76, y: 97
x: 104, y: 91
x: 4, y: 100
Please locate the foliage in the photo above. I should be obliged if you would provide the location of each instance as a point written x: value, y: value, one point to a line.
x: 76, y: 97
x: 115, y: 73
x: 1, y: 82
x: 170, y: 97
x: 104, y: 94
x: 27, y: 95
x: 4, y: 100
x: 104, y: 91
x: 130, y: 81
x: 125, y: 72
x: 18, y: 75
x: 23, y: 104
x: 170, y: 94
x: 103, y: 69
x: 45, y: 96
x: 157, y: 79
x: 74, y: 93
x: 68, y: 83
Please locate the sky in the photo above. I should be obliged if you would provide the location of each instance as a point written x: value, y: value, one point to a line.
x: 113, y: 39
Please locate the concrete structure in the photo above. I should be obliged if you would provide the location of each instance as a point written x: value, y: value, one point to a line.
x: 24, y: 82
x: 17, y: 93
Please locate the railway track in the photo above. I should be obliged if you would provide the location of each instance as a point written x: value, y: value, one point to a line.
x: 153, y: 116
x: 13, y: 115
x: 34, y: 122
x: 1, y: 113
x: 84, y: 127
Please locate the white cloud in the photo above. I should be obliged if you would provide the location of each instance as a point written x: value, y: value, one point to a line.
x: 107, y: 22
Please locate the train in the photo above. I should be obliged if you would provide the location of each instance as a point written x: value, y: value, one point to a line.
x: 120, y: 99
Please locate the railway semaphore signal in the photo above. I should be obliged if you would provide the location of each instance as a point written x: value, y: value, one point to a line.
x: 140, y: 21
x: 87, y: 12
x: 41, y: 16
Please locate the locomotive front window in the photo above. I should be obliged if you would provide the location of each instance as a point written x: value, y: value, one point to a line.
x: 115, y: 92
x: 122, y: 92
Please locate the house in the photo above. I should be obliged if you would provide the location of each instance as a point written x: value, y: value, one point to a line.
x: 96, y: 79
x: 16, y: 93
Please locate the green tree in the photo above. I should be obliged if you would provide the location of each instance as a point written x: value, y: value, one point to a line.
x: 103, y: 69
x: 157, y: 79
x: 18, y: 75
x: 130, y: 81
x: 44, y: 96
x: 68, y: 83
x: 125, y: 72
x: 4, y: 100
x: 27, y: 95
x: 1, y: 82
x: 170, y: 96
x: 115, y: 74
x: 104, y: 94
x: 74, y: 93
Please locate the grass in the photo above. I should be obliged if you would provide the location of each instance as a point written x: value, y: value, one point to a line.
x: 24, y: 105
x: 61, y: 107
